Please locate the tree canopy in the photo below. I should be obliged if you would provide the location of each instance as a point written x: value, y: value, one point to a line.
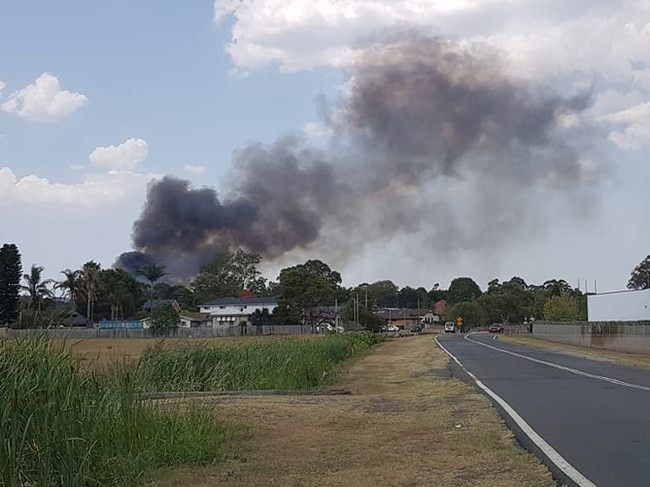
x: 303, y: 290
x: 164, y: 318
x: 562, y: 308
x: 228, y: 274
x: 463, y: 289
x: 640, y: 276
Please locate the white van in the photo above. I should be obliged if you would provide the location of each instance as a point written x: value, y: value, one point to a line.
x: 450, y: 327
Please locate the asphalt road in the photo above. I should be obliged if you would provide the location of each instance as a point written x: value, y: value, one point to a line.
x: 594, y: 415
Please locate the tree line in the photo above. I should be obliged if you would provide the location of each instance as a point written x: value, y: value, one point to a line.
x: 306, y: 294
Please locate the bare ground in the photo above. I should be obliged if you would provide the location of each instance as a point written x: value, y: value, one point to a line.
x: 406, y: 423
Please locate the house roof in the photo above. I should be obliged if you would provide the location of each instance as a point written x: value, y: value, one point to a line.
x: 196, y: 316
x: 244, y: 301
x: 440, y: 304
x: 401, y: 313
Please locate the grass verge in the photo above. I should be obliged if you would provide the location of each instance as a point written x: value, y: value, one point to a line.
x: 64, y: 423
x: 407, y: 423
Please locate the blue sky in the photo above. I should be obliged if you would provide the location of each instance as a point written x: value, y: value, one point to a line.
x: 99, y: 99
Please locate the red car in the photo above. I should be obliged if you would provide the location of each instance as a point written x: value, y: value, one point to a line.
x: 496, y: 328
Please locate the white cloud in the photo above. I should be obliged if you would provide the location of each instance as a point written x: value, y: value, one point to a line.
x: 43, y: 100
x: 127, y: 155
x: 636, y: 126
x: 294, y: 34
x: 2, y: 87
x: 596, y: 43
x: 94, y: 191
x: 192, y: 169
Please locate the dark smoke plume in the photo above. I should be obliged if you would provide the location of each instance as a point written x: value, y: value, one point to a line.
x: 432, y: 138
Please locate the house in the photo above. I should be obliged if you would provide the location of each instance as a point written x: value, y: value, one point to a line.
x: 429, y: 319
x: 194, y: 320
x: 402, y: 317
x: 227, y: 312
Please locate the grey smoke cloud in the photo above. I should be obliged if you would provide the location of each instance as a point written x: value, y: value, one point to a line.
x: 431, y: 138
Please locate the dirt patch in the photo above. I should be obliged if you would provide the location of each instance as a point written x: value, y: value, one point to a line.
x: 405, y: 424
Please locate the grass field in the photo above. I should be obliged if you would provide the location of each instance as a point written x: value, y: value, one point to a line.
x: 71, y: 415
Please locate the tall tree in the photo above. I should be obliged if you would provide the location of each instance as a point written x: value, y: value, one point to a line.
x: 37, y: 288
x: 508, y: 302
x: 90, y: 276
x: 557, y: 287
x: 384, y: 294
x: 304, y: 290
x: 152, y: 273
x: 413, y: 298
x: 228, y: 274
x: 119, y: 294
x: 640, y: 277
x: 463, y: 289
x: 10, y: 272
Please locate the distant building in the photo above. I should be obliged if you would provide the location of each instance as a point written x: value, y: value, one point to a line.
x: 402, y: 317
x: 194, y: 320
x: 227, y: 312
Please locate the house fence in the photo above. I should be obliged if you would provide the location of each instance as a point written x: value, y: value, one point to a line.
x: 199, y: 332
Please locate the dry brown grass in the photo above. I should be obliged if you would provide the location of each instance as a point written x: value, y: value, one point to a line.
x: 406, y: 424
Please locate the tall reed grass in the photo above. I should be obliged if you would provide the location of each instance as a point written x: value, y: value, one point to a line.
x: 62, y: 427
x: 290, y: 364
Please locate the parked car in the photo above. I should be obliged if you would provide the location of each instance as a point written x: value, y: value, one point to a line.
x: 450, y: 327
x: 496, y: 328
x: 416, y: 328
x: 391, y: 328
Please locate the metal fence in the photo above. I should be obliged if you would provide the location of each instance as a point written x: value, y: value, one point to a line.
x: 629, y: 337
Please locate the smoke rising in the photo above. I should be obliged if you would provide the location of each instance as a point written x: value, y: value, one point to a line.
x: 431, y: 138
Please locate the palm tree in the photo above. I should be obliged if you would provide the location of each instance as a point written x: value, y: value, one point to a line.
x: 90, y: 279
x: 152, y: 273
x: 72, y: 285
x: 36, y: 288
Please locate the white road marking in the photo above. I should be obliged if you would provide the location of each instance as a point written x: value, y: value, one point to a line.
x: 558, y: 460
x: 582, y: 373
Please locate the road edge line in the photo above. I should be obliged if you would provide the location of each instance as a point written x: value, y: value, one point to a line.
x: 571, y: 370
x: 551, y: 453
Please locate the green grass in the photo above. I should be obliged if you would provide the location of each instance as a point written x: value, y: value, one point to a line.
x: 289, y: 364
x: 61, y: 425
